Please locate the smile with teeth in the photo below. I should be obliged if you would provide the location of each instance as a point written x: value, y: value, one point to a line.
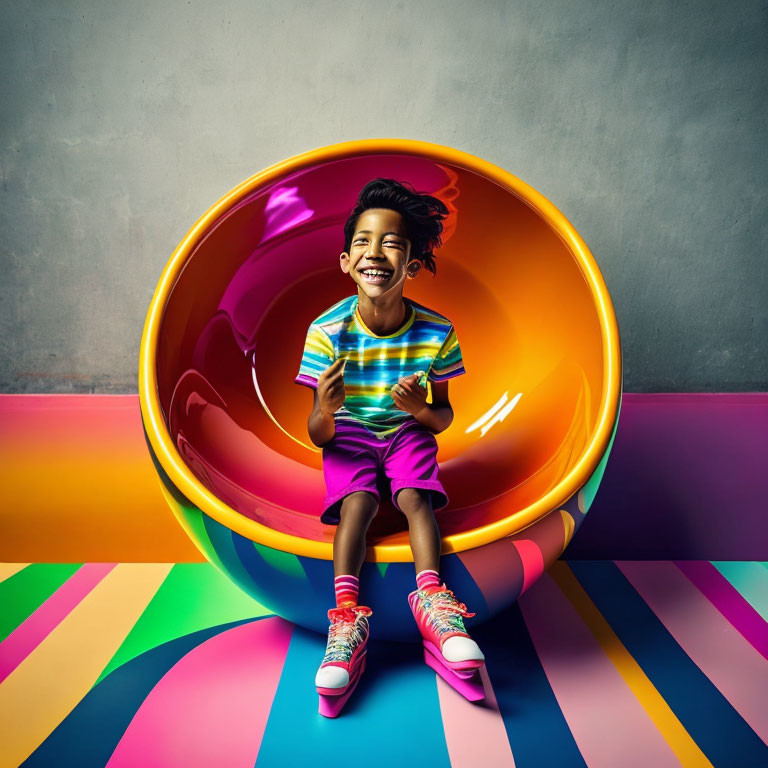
x: 372, y: 275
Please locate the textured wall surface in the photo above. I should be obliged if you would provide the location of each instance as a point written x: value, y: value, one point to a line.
x: 643, y: 122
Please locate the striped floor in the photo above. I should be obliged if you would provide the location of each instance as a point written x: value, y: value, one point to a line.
x: 601, y: 663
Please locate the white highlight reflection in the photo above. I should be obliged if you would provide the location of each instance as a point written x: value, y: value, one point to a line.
x: 498, y: 412
x: 269, y: 413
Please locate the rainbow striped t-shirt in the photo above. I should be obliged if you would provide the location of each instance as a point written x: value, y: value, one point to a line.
x: 425, y: 342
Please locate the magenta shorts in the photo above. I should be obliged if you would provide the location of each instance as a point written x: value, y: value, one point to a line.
x: 356, y: 460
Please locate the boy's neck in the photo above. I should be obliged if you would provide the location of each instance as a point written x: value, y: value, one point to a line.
x: 382, y: 315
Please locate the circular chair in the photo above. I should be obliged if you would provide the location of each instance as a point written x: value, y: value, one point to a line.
x: 535, y: 414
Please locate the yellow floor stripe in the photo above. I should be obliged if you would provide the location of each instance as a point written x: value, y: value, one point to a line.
x: 51, y: 681
x: 679, y: 740
x: 8, y: 569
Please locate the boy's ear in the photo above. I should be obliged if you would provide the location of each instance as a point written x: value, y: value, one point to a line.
x: 413, y: 268
x: 344, y: 262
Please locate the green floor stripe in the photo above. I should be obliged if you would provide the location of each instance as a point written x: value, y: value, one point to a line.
x: 194, y: 596
x: 750, y: 579
x: 25, y: 591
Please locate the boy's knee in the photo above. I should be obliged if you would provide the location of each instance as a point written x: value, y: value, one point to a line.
x: 413, y: 500
x: 360, y: 503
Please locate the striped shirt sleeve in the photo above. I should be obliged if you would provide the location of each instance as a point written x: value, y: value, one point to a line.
x: 448, y: 362
x: 318, y: 355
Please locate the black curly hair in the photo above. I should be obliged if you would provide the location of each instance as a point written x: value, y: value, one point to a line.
x: 422, y: 215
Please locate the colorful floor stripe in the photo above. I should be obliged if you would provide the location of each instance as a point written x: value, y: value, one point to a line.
x: 194, y: 596
x: 600, y: 664
x: 728, y: 601
x: 673, y: 731
x: 538, y: 733
x: 606, y: 709
x: 72, y: 655
x: 751, y: 580
x: 714, y: 645
x: 27, y: 589
x: 107, y: 710
x: 212, y: 707
x: 474, y: 733
x: 716, y: 728
x: 28, y: 635
x: 9, y: 569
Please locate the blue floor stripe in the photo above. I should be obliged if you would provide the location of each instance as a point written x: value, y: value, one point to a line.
x: 538, y: 733
x: 88, y: 736
x: 723, y: 736
x: 392, y: 719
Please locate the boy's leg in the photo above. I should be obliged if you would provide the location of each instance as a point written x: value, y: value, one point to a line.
x: 416, y: 505
x: 344, y: 659
x: 449, y: 649
x: 411, y: 466
x: 357, y: 512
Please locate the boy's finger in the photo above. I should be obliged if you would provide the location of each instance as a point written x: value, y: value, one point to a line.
x: 337, y: 364
x: 336, y: 368
x: 412, y: 380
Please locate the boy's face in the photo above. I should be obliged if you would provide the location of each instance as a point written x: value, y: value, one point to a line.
x: 380, y: 244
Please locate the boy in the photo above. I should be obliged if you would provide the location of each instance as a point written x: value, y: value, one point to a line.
x: 368, y: 359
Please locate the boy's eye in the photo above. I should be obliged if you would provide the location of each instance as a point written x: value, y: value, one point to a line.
x: 388, y: 243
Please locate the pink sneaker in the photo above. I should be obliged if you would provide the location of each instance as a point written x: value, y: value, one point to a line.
x: 344, y: 659
x: 448, y: 648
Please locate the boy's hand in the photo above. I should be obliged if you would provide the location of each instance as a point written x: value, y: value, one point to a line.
x: 409, y: 395
x: 330, y: 387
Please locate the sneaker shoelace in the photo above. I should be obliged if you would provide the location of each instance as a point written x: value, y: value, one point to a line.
x: 347, y: 631
x: 445, y: 612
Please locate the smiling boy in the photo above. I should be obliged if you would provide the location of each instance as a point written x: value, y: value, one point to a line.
x: 368, y: 359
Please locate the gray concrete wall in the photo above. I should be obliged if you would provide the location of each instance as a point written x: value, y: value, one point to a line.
x: 645, y: 123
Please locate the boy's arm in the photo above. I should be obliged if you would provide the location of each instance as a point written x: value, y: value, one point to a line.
x: 321, y: 426
x: 438, y: 415
x: 329, y: 397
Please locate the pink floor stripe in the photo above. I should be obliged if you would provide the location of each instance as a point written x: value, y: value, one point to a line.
x: 211, y: 708
x: 713, y: 644
x: 474, y: 733
x: 31, y: 632
x: 608, y: 723
x: 728, y: 600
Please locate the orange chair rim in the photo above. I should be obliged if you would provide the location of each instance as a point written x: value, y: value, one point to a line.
x: 382, y: 551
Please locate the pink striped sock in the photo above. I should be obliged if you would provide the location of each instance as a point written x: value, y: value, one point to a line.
x: 346, y: 590
x: 426, y: 579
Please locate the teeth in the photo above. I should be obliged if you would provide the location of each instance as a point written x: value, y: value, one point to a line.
x: 376, y: 272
